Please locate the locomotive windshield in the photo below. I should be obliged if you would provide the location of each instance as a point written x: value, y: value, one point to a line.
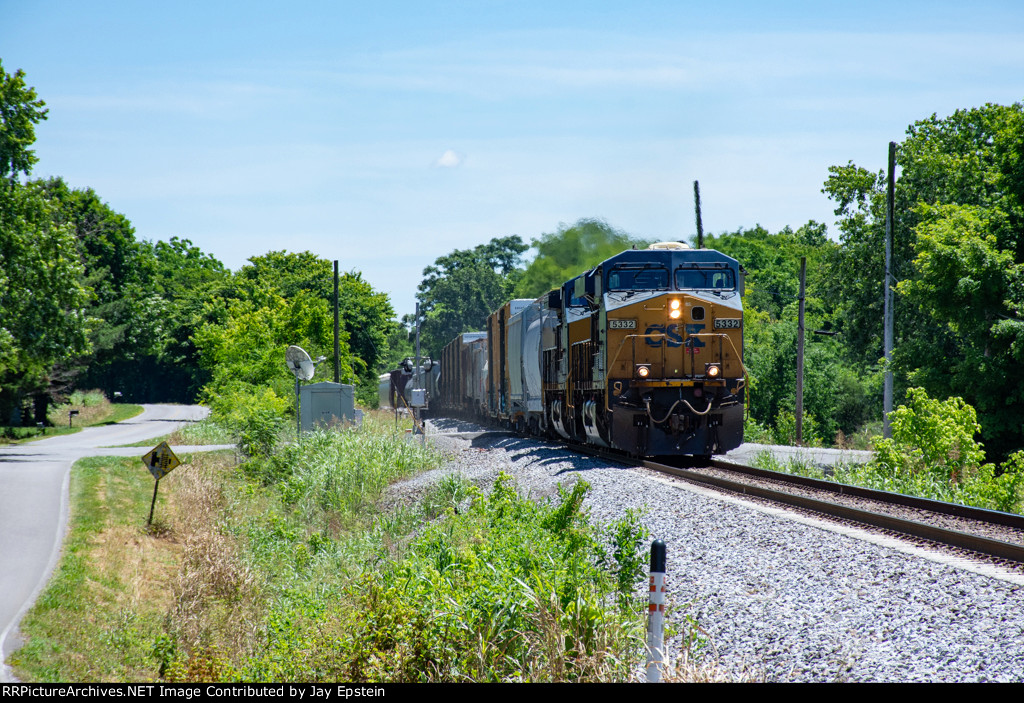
x: 721, y: 279
x: 638, y: 278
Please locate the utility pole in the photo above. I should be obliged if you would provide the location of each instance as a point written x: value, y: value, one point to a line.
x: 416, y: 368
x: 888, y: 322
x: 696, y: 206
x: 337, y: 340
x: 800, y: 356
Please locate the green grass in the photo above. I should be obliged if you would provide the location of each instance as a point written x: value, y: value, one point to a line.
x: 506, y: 589
x: 200, y: 433
x: 98, y: 617
x: 121, y: 412
x: 286, y: 568
x: 93, y: 410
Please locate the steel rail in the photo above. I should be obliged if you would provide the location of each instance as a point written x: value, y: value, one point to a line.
x: 975, y: 543
x: 936, y: 506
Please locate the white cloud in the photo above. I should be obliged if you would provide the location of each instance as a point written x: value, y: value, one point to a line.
x: 449, y: 159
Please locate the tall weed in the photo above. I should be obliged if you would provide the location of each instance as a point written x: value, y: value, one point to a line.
x: 500, y: 588
x: 505, y: 590
x: 90, y: 407
x: 334, y: 479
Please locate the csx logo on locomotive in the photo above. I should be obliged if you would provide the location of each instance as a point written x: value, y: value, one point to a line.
x: 672, y: 337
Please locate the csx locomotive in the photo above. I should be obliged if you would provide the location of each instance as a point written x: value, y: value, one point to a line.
x: 642, y: 354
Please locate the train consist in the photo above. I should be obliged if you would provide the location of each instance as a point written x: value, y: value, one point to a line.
x: 642, y: 354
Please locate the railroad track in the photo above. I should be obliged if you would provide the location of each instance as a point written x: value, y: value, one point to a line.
x: 995, y: 535
x: 988, y: 533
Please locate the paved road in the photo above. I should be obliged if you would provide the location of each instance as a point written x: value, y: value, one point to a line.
x: 748, y: 454
x: 34, y: 480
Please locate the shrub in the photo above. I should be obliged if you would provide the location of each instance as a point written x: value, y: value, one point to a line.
x: 929, y: 435
x: 254, y: 416
x: 784, y: 431
x: 933, y: 453
x: 505, y: 590
x: 92, y: 406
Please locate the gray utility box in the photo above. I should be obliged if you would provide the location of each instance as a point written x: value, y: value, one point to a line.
x: 326, y: 404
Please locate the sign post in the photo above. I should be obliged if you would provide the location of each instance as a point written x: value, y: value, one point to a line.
x: 656, y: 613
x: 160, y: 461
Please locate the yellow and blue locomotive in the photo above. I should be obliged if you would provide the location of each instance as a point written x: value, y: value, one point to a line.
x: 643, y: 354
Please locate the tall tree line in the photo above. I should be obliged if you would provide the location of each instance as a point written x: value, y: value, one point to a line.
x: 959, y: 251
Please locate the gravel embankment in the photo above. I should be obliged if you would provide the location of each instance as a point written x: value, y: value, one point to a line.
x: 781, y: 600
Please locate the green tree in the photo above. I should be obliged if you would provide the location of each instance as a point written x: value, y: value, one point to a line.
x: 462, y: 288
x: 854, y: 289
x: 565, y: 253
x: 973, y: 292
x: 137, y: 346
x: 179, y: 266
x: 42, y: 298
x: 365, y: 315
x: 958, y: 248
x: 245, y: 354
x: 20, y: 112
x: 932, y: 436
x: 178, y: 280
x: 113, y: 263
x: 289, y: 273
x: 368, y: 318
x: 838, y: 395
x: 772, y: 262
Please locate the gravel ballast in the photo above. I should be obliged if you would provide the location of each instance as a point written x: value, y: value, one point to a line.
x: 781, y: 600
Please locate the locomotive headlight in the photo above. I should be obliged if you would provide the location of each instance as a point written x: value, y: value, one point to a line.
x: 643, y: 370
x: 674, y: 304
x: 674, y: 311
x: 675, y: 314
x: 712, y: 370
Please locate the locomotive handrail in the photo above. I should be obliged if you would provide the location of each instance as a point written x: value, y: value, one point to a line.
x: 616, y: 358
x: 568, y: 381
x: 739, y: 357
x: 632, y: 336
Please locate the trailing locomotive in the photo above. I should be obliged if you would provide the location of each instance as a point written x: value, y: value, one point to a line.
x: 643, y: 354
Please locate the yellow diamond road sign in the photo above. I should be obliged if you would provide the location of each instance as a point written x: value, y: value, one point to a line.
x: 161, y: 461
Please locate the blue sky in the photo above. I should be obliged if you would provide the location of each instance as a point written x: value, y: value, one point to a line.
x: 387, y: 134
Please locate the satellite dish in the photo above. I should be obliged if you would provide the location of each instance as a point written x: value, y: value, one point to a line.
x: 299, y: 363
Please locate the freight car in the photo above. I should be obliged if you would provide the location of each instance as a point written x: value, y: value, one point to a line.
x: 642, y: 354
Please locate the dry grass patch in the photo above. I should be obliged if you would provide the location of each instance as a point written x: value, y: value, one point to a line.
x: 216, y: 596
x: 140, y: 566
x: 687, y: 669
x: 105, y: 614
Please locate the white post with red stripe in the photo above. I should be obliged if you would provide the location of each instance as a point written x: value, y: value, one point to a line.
x: 656, y: 613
